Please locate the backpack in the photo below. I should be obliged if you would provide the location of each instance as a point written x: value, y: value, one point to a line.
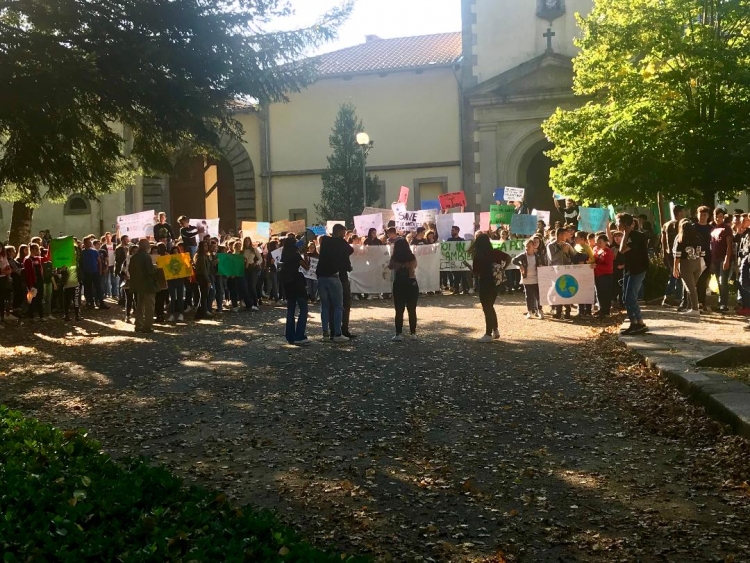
x: 47, y: 272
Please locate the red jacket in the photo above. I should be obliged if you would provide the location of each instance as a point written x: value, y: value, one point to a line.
x: 29, y: 271
x: 604, y: 261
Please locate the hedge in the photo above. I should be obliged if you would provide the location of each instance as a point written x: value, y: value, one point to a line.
x: 63, y: 499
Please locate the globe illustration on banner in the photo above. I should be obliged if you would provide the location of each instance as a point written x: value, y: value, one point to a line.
x: 566, y: 286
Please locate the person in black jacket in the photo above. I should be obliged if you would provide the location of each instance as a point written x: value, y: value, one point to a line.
x: 295, y: 289
x: 334, y: 258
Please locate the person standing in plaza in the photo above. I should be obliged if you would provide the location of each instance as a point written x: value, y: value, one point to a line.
x: 560, y: 253
x: 669, y: 231
x: 334, y: 256
x: 143, y: 284
x: 295, y: 290
x: 688, y: 262
x: 722, y: 250
x: 486, y: 261
x: 634, y: 249
x: 403, y: 264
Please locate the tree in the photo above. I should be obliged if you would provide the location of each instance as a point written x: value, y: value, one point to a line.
x: 668, y: 88
x: 342, y: 196
x: 169, y: 71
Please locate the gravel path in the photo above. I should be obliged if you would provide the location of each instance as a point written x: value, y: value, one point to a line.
x: 553, y: 444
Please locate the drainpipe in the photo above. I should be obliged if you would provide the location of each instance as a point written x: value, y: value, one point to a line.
x: 269, y: 177
x: 461, y: 130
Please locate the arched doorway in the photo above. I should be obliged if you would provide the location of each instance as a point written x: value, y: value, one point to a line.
x: 538, y: 193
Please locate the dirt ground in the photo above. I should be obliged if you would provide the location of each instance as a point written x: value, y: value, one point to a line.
x: 553, y: 444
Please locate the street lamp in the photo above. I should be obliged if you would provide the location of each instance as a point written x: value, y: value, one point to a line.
x: 363, y: 140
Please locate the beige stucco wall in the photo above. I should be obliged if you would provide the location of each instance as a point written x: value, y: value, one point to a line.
x: 303, y: 192
x: 413, y: 118
x: 508, y: 35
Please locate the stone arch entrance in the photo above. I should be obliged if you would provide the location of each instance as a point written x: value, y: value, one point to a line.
x: 534, y: 176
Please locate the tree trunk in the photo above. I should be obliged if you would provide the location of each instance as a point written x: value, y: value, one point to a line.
x: 709, y: 197
x: 20, y: 224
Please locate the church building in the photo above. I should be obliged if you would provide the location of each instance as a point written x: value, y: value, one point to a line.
x: 446, y: 112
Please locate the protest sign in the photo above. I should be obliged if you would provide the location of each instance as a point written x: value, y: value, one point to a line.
x: 453, y: 255
x: 363, y: 223
x: 514, y: 194
x: 511, y: 247
x: 501, y: 214
x: 451, y: 200
x: 558, y: 196
x: 593, y: 219
x: 428, y: 266
x: 566, y: 285
x: 286, y: 226
x: 331, y: 224
x: 136, y: 225
x: 63, y: 252
x: 542, y: 216
x: 523, y: 224
x: 257, y: 231
x: 231, y: 265
x: 499, y: 195
x: 612, y: 212
x: 318, y: 230
x: 431, y: 204
x: 403, y: 195
x: 386, y: 213
x: 175, y: 266
x: 205, y: 227
x: 484, y: 221
x: 370, y: 273
x: 406, y: 221
x: 464, y: 221
x: 310, y: 274
x: 426, y: 216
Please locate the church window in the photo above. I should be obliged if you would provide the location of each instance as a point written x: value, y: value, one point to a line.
x: 77, y: 205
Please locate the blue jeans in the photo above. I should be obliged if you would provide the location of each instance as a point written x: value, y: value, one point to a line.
x: 331, y: 295
x: 296, y: 333
x: 631, y: 286
x: 722, y: 276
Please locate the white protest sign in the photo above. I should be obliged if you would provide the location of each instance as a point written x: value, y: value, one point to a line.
x: 205, y: 227
x: 464, y: 221
x: 406, y: 221
x: 386, y: 213
x: 542, y: 216
x: 310, y: 274
x: 363, y: 223
x: 428, y: 266
x: 566, y: 285
x: 276, y: 255
x: 370, y: 273
x: 425, y: 216
x: 331, y: 224
x: 454, y: 255
x: 137, y: 225
x: 514, y: 194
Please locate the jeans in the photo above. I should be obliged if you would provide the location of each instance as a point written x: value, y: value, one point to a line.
x: 487, y: 296
x: 346, y: 290
x: 631, y: 286
x: 295, y: 333
x: 533, y: 304
x: 331, y: 295
x: 176, y: 296
x: 722, y: 276
x: 312, y: 289
x: 405, y: 296
x: 114, y: 283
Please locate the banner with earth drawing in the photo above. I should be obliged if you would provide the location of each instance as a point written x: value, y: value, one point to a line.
x: 567, y: 285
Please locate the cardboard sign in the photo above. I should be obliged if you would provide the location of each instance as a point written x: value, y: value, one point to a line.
x: 137, y: 225
x: 451, y: 200
x: 363, y: 223
x: 406, y: 221
x: 403, y: 195
x: 231, y: 265
x: 426, y: 216
x: 566, y: 285
x: 63, y: 252
x: 257, y: 231
x: 464, y: 221
x: 453, y: 255
x: 310, y: 274
x: 431, y: 204
x: 514, y: 194
x: 542, y: 216
x: 206, y: 227
x: 175, y: 266
x: 523, y: 224
x: 286, y: 226
x: 501, y: 214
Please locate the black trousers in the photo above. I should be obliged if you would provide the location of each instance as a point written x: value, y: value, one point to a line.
x: 487, y: 296
x: 72, y: 295
x: 605, y: 286
x: 532, y: 297
x: 405, y: 296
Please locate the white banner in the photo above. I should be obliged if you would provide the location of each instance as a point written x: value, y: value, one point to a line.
x: 137, y: 225
x: 363, y: 223
x: 310, y: 274
x: 205, y: 227
x: 542, y: 216
x: 567, y: 285
x: 514, y: 194
x: 370, y: 273
x: 464, y: 221
x: 428, y: 266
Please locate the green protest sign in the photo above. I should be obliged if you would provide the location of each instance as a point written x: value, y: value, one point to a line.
x: 454, y: 256
x: 231, y: 264
x: 501, y: 214
x: 511, y: 247
x: 63, y: 252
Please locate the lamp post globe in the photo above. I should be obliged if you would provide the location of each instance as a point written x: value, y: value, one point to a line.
x: 363, y: 139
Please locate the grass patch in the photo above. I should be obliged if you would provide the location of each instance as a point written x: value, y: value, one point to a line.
x: 63, y: 499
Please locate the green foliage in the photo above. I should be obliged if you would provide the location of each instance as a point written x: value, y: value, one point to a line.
x: 668, y: 88
x: 62, y: 499
x: 90, y: 84
x: 342, y: 196
x: 656, y: 278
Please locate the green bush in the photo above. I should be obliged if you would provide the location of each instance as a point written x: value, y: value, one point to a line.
x: 62, y: 499
x: 656, y: 279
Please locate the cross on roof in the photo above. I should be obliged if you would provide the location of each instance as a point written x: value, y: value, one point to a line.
x: 549, y: 35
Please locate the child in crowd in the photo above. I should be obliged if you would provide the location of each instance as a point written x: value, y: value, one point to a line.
x: 584, y: 255
x: 528, y: 264
x: 603, y: 277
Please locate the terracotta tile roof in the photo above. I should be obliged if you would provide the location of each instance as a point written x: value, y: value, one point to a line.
x: 381, y: 55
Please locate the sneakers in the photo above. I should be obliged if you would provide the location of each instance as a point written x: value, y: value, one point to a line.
x: 691, y: 313
x: 528, y: 316
x: 326, y: 337
x: 634, y: 329
x: 486, y: 338
x: 340, y: 339
x: 254, y: 308
x: 170, y: 319
x: 180, y: 319
x: 539, y: 315
x: 495, y: 334
x: 413, y: 336
x: 303, y: 342
x: 397, y: 338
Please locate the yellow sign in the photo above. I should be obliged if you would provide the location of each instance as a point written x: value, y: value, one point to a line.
x: 175, y: 266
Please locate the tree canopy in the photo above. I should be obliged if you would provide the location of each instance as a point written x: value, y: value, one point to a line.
x: 667, y: 84
x: 342, y: 196
x: 169, y: 71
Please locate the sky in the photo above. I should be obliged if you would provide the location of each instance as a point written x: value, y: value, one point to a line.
x: 384, y: 18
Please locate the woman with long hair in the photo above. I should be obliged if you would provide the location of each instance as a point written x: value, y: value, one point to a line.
x: 295, y: 289
x: 403, y: 264
x: 689, y: 262
x: 253, y: 265
x: 486, y: 261
x: 372, y: 238
x: 202, y: 264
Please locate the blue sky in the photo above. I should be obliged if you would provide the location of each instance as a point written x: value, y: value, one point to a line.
x: 385, y: 18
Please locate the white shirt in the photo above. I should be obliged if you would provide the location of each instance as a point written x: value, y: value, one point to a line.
x: 532, y: 276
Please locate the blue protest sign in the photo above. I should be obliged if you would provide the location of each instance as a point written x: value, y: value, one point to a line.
x: 593, y: 219
x: 318, y: 230
x: 499, y: 194
x: 430, y: 204
x: 558, y: 196
x: 523, y: 224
